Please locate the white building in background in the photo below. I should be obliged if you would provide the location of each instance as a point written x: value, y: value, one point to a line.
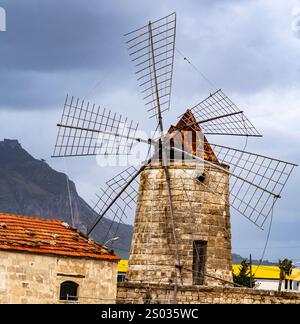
x: 267, y: 278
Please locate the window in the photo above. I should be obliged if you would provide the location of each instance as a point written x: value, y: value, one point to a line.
x: 201, y: 177
x: 199, y: 259
x: 121, y: 277
x: 68, y: 291
x: 291, y: 284
x: 172, y: 154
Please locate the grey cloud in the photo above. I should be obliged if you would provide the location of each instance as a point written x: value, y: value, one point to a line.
x: 51, y: 48
x: 47, y: 36
x: 67, y: 40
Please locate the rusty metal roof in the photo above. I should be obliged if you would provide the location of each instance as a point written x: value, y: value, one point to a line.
x: 196, y: 143
x: 47, y: 236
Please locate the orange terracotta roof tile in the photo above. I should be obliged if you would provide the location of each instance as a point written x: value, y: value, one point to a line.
x: 47, y: 236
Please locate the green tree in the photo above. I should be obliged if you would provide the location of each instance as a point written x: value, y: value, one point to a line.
x: 244, y: 277
x: 286, y: 267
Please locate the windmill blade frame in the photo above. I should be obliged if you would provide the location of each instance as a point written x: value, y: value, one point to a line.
x: 87, y: 129
x: 122, y: 185
x: 152, y: 50
x: 256, y: 192
x: 112, y: 188
x: 218, y: 115
x: 264, y: 172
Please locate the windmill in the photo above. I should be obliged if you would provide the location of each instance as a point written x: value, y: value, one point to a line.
x: 184, y: 190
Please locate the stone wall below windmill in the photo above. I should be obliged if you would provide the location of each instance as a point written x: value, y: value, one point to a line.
x: 140, y: 293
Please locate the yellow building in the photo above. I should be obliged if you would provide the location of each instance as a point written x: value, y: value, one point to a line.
x: 122, y: 269
x: 267, y: 277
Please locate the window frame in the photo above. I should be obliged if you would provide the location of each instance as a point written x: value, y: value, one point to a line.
x: 64, y: 296
x: 199, y: 262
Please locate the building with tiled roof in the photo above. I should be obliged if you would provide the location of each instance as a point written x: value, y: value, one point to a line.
x: 47, y: 261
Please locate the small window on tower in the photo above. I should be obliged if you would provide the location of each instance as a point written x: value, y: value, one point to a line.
x: 121, y: 277
x: 172, y: 155
x: 199, y: 260
x: 201, y: 177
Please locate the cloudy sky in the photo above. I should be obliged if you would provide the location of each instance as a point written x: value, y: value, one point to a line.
x: 250, y: 49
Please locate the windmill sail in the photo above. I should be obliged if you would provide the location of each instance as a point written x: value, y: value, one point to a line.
x: 151, y: 49
x: 112, y: 188
x: 256, y: 181
x: 87, y: 129
x: 218, y: 115
x: 117, y: 197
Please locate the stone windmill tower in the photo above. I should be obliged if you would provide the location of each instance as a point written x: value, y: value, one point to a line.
x: 198, y: 239
x: 185, y: 190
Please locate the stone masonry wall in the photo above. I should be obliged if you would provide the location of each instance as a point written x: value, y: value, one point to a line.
x: 164, y: 294
x: 199, y: 214
x: 31, y: 278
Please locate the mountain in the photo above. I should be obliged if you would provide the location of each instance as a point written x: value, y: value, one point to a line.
x: 237, y: 259
x: 31, y: 187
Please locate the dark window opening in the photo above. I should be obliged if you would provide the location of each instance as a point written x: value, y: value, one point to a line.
x: 201, y: 177
x: 172, y: 154
x: 121, y: 277
x: 199, y: 260
x: 291, y: 284
x: 68, y: 291
x: 160, y: 148
x: 182, y: 146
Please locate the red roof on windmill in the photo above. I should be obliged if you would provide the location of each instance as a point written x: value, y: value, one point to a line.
x: 188, y: 133
x: 47, y: 236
